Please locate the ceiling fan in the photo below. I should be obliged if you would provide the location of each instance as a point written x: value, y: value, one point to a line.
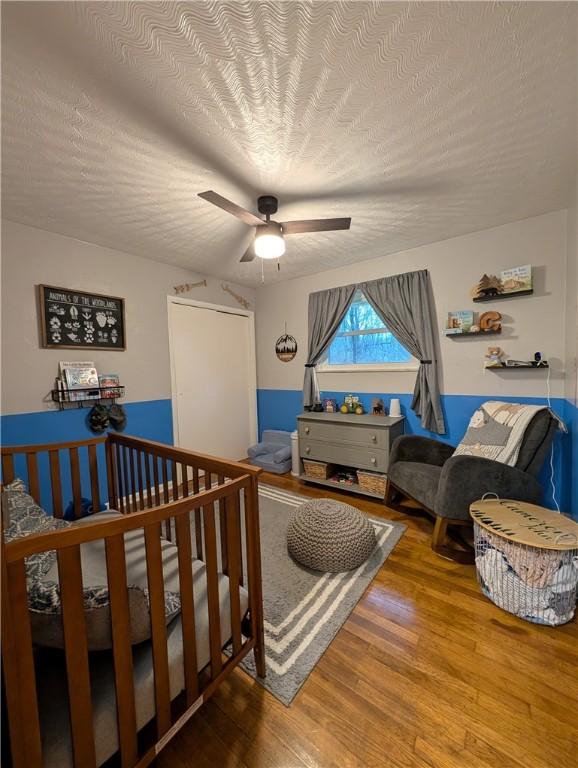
x: 269, y: 240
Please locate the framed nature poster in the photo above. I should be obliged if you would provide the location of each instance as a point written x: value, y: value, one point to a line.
x: 72, y: 319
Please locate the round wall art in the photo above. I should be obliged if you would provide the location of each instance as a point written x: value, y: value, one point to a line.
x: 286, y: 347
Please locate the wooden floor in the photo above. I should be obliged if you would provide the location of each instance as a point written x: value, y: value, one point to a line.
x: 425, y: 672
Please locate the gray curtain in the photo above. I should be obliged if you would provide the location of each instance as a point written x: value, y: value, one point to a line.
x: 405, y: 304
x: 326, y: 311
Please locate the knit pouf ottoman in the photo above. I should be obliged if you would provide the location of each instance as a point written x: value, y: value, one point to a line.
x: 330, y: 536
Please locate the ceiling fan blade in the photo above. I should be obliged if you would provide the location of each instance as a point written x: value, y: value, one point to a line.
x: 249, y: 254
x: 314, y: 225
x: 233, y: 208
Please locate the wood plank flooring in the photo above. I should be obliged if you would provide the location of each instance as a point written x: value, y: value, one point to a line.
x: 425, y: 672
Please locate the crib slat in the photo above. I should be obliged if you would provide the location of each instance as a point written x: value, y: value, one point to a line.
x: 76, y: 653
x: 120, y: 474
x: 33, y: 484
x: 212, y: 589
x: 223, y: 504
x: 139, y: 477
x: 253, y: 548
x: 75, y: 477
x: 126, y: 481
x: 195, y: 480
x: 133, y: 488
x: 233, y: 550
x: 175, y: 479
x: 93, y: 468
x: 185, y: 558
x: 185, y: 479
x: 156, y: 480
x: 198, y: 526
x: 111, y: 477
x: 149, y: 491
x: 7, y: 468
x: 122, y: 650
x: 166, y: 497
x: 55, y: 484
x: 158, y: 627
x: 18, y: 668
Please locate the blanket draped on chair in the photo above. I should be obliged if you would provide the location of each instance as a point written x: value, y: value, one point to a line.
x: 496, y: 431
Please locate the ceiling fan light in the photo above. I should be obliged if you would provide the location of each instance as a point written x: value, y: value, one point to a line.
x: 269, y: 242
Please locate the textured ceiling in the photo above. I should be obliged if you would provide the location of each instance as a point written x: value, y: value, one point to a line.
x: 421, y: 121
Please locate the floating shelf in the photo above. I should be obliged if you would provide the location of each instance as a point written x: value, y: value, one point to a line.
x: 79, y: 397
x: 504, y: 367
x: 499, y: 296
x: 472, y: 333
x: 351, y: 487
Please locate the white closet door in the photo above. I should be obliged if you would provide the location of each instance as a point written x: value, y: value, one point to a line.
x: 214, y: 393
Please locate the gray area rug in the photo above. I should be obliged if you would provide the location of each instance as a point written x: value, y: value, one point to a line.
x: 304, y: 609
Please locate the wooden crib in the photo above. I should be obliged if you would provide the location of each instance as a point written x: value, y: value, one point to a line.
x: 207, y: 506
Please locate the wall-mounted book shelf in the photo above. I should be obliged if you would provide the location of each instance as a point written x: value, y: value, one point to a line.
x: 500, y: 296
x: 91, y: 395
x: 504, y: 367
x: 472, y: 333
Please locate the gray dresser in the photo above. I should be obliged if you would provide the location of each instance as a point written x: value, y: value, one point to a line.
x: 347, y: 440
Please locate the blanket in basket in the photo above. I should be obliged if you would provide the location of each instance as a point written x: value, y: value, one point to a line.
x: 496, y: 431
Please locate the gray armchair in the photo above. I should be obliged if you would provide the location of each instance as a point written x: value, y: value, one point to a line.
x: 444, y: 485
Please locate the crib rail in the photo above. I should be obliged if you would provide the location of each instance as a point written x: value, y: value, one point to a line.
x: 53, y: 472
x: 204, y: 494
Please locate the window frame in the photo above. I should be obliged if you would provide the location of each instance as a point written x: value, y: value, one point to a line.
x: 324, y: 367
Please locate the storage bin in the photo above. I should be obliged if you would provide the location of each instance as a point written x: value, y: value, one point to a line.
x: 319, y: 470
x: 373, y: 482
x: 526, y: 559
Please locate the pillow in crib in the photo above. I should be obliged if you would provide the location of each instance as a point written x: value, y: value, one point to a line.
x: 45, y: 612
x: 25, y: 517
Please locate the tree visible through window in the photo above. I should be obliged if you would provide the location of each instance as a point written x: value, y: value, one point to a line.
x: 363, y: 339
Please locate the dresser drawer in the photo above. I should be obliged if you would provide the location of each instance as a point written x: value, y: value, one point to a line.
x: 348, y: 455
x: 375, y: 437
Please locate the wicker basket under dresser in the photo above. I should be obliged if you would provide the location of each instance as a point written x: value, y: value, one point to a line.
x: 346, y: 442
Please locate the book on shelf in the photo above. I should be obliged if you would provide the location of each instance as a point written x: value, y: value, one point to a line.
x: 459, y: 322
x: 517, y: 279
x: 78, y: 375
x: 109, y: 384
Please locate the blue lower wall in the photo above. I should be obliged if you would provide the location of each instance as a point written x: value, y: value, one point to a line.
x: 570, y: 456
x: 279, y: 408
x: 150, y: 419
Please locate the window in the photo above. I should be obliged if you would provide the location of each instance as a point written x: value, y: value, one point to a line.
x: 363, y: 343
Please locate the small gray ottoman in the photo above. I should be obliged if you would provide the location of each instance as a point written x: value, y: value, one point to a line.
x: 330, y: 536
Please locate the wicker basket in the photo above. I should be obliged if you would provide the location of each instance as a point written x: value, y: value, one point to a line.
x: 373, y: 482
x: 320, y: 470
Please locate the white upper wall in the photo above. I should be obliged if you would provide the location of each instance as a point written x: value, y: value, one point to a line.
x: 534, y: 323
x: 32, y: 256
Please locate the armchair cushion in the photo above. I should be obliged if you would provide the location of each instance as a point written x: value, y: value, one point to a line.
x: 464, y: 479
x: 417, y: 479
x: 282, y: 454
x: 259, y: 449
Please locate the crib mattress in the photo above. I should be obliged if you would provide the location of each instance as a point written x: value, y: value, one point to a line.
x: 51, y: 671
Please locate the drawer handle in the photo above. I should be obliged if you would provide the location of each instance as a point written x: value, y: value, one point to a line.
x: 308, y: 449
x: 374, y: 438
x: 373, y: 460
x: 306, y: 430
